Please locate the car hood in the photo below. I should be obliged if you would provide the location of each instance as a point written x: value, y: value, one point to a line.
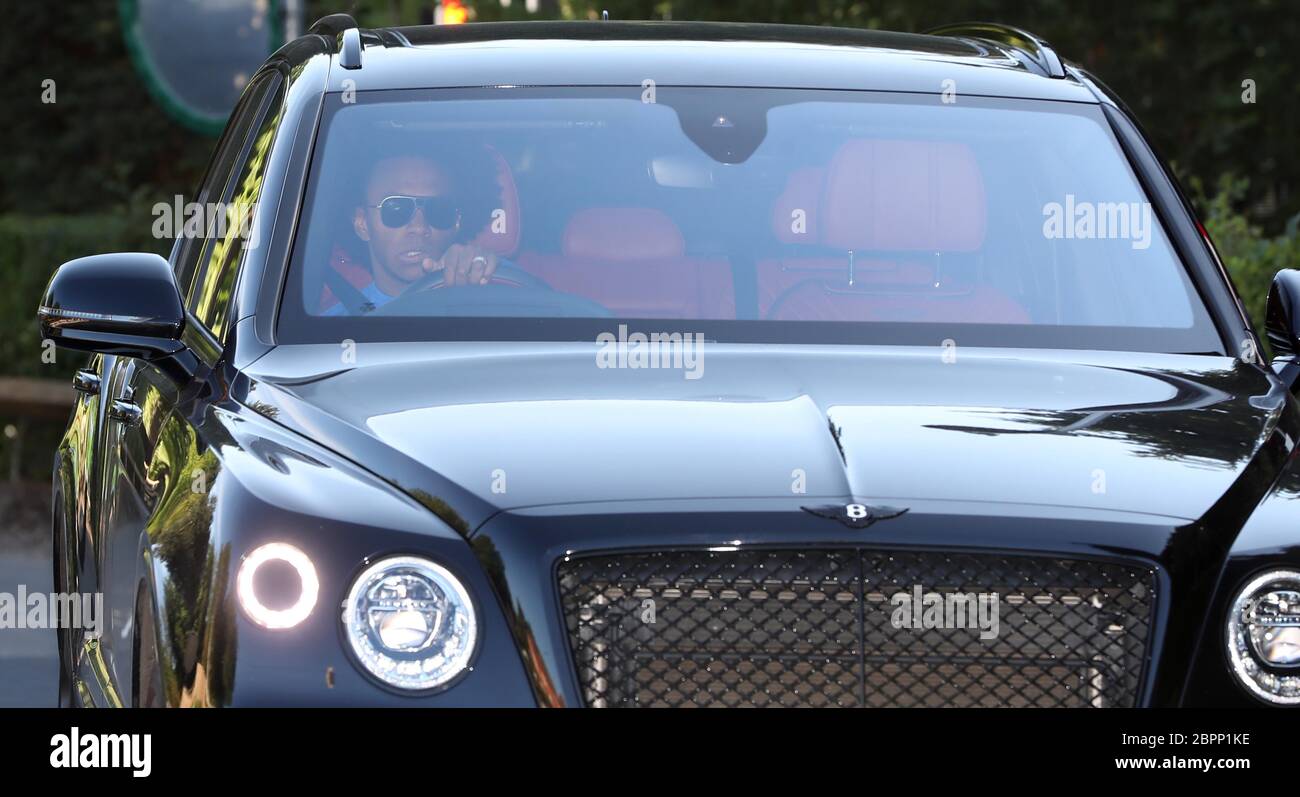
x: 520, y: 425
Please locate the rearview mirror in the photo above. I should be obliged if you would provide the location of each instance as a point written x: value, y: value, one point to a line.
x: 125, y: 304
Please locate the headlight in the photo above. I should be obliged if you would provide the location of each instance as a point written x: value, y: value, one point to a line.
x: 410, y: 623
x: 277, y: 585
x: 1264, y: 636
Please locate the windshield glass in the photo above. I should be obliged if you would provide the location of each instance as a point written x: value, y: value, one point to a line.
x: 755, y: 215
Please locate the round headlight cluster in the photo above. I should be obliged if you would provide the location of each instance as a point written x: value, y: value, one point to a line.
x: 1264, y: 636
x: 410, y: 623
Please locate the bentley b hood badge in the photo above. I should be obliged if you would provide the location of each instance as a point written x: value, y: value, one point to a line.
x: 855, y: 516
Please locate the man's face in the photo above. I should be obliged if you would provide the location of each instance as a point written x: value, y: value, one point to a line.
x: 397, y: 254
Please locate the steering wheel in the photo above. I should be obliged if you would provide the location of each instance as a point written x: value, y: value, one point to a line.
x: 512, y: 292
x: 506, y: 274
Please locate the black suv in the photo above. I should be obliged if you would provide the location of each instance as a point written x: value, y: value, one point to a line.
x: 639, y: 364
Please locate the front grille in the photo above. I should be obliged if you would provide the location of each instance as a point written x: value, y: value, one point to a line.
x: 818, y: 628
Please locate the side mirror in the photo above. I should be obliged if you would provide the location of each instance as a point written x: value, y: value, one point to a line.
x: 1282, y: 324
x: 124, y: 304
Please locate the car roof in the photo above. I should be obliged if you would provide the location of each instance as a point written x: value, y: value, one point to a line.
x: 694, y: 54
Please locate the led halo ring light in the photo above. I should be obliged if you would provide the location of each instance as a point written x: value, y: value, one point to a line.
x: 259, y: 612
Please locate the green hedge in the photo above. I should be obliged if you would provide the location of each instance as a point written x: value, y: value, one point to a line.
x: 31, y: 247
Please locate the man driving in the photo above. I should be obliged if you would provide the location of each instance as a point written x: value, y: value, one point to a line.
x: 416, y: 216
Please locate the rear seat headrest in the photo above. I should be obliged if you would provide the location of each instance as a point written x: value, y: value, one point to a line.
x: 502, y: 233
x: 622, y: 234
x: 922, y: 196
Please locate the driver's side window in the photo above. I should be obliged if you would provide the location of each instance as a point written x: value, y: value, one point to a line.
x: 194, y: 257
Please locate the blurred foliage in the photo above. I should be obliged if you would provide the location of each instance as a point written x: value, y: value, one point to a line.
x: 1250, y: 256
x: 103, y: 144
x: 30, y: 249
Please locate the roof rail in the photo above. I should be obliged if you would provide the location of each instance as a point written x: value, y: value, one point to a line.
x: 350, y: 50
x: 1036, y: 49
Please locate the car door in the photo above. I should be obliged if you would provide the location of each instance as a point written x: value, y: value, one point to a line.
x: 149, y: 442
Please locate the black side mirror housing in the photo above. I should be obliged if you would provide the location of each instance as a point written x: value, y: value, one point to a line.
x: 124, y: 304
x: 1282, y: 324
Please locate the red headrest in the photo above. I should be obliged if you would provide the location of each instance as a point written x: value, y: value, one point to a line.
x: 501, y: 235
x: 622, y: 234
x: 905, y: 196
x: 803, y: 192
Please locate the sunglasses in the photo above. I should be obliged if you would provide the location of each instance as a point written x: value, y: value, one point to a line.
x: 440, y: 212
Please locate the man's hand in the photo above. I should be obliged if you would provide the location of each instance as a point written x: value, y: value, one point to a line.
x: 463, y: 264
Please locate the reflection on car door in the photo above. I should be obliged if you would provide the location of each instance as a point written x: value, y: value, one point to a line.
x: 140, y: 400
x: 146, y: 444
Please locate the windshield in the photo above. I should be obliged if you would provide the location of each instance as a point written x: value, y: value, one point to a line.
x: 750, y: 215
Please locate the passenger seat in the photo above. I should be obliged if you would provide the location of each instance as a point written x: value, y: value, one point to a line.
x: 910, y: 218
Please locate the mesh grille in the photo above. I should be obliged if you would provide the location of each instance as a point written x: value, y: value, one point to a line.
x: 817, y: 628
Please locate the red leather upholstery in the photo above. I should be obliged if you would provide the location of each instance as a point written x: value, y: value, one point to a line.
x: 503, y: 240
x: 916, y: 196
x: 802, y: 192
x: 802, y: 195
x: 633, y: 261
x: 906, y: 209
x: 622, y: 234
